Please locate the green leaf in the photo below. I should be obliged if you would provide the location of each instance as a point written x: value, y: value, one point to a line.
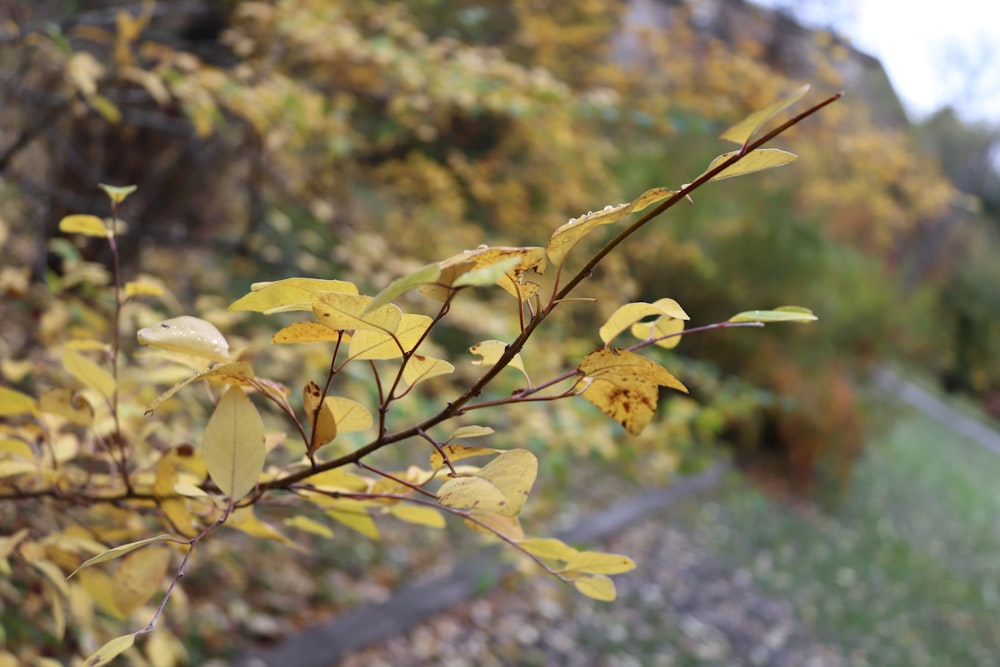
x: 15, y: 403
x: 119, y: 551
x: 596, y: 562
x: 118, y: 193
x: 742, y: 132
x: 597, y: 586
x: 233, y: 444
x: 782, y: 314
x: 487, y: 275
x: 630, y: 313
x: 187, y: 335
x: 110, y: 651
x: 422, y: 276
x: 89, y: 373
x: 88, y: 225
x: 288, y: 294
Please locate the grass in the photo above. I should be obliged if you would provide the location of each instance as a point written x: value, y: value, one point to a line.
x: 904, y: 569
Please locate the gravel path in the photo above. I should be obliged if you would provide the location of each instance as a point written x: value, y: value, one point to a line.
x: 681, y: 606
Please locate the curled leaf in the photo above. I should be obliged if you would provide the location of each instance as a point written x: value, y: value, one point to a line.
x: 782, y: 314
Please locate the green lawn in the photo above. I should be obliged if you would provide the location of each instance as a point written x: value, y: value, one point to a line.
x: 903, y: 570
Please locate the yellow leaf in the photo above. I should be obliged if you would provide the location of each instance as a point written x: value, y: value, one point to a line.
x: 372, y: 344
x: 61, y: 402
x: 138, y: 576
x: 491, y: 351
x: 482, y: 258
x: 97, y: 586
x: 630, y: 313
x: 83, y: 71
x: 16, y: 467
x: 458, y: 452
x: 9, y: 542
x: 508, y: 526
x: 88, y: 225
x: 15, y: 403
x: 117, y: 193
x: 89, y: 373
x: 348, y: 312
x: 308, y: 332
x: 335, y: 480
x: 109, y: 651
x: 187, y: 335
x: 420, y: 368
x: 237, y: 373
x: 597, y: 586
x: 15, y: 447
x: 319, y: 414
x: 288, y: 294
x: 52, y: 574
x: 472, y: 493
x: 86, y: 345
x: 782, y: 314
x: 548, y: 548
x: 664, y: 326
x: 625, y: 386
x: 596, y: 562
x: 137, y: 288
x: 502, y: 486
x: 423, y: 516
x: 244, y: 520
x: 470, y: 431
x: 233, y: 444
x: 350, y: 415
x: 352, y: 513
x: 308, y: 525
x: 742, y: 132
x: 758, y: 160
x: 119, y: 551
x: 107, y: 109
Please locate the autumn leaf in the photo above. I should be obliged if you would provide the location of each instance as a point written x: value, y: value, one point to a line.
x: 666, y: 329
x: 502, y: 486
x: 109, y: 651
x: 420, y: 368
x: 13, y: 402
x: 487, y: 263
x: 597, y: 586
x: 187, y: 335
x: 422, y: 276
x: 742, y: 132
x: 88, y: 225
x: 89, y: 373
x: 630, y: 313
x: 309, y: 332
x: 625, y: 386
x: 119, y: 551
x: 233, y: 444
x: 758, y: 160
x: 138, y: 576
x: 288, y: 294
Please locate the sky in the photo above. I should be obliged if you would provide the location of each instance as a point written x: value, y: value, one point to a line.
x: 936, y: 53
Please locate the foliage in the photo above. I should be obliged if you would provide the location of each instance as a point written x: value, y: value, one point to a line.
x: 87, y: 448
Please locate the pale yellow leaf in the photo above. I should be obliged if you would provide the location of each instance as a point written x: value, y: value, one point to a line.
x: 244, y: 520
x: 88, y: 225
x: 11, y: 447
x: 457, y: 453
x: 630, y: 313
x: 10, y: 468
x: 742, y: 132
x: 548, y: 548
x: 138, y: 576
x: 782, y: 314
x: 664, y: 326
x: 308, y: 332
x: 288, y: 294
x: 480, y: 260
x: 508, y: 526
x: 13, y: 402
x: 137, y: 288
x: 423, y: 516
x: 109, y: 651
x: 349, y: 415
x: 598, y: 587
x: 117, y: 193
x: 187, y: 335
x: 353, y: 514
x: 420, y: 368
x: 378, y: 344
x: 319, y: 414
x: 119, y: 551
x: 596, y: 562
x: 52, y: 574
x: 491, y: 351
x: 62, y: 402
x: 89, y: 373
x: 349, y: 312
x: 308, y: 525
x: 758, y: 160
x: 233, y: 444
x: 470, y: 431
